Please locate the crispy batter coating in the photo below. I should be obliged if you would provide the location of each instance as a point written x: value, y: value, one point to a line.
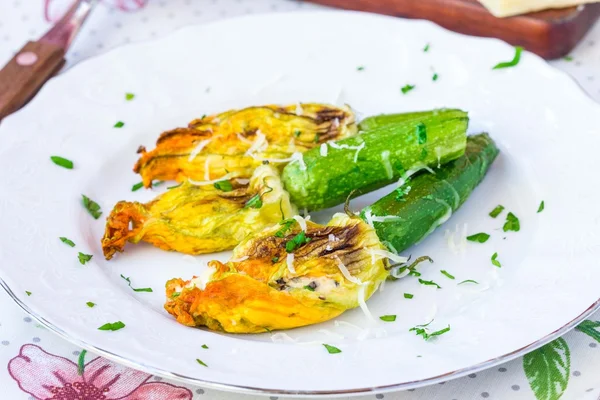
x: 200, y: 219
x: 235, y: 142
x: 256, y: 291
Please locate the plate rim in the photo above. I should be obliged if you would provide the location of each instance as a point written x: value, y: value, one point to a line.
x: 252, y: 390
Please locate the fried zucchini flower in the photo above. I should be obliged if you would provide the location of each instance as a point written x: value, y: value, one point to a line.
x: 232, y: 144
x: 293, y: 274
x: 200, y: 219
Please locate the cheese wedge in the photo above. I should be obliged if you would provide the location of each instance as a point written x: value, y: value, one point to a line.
x: 507, y: 8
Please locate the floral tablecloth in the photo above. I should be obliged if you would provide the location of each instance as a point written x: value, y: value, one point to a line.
x: 36, y: 364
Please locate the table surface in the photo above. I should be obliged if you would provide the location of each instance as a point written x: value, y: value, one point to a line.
x: 32, y: 358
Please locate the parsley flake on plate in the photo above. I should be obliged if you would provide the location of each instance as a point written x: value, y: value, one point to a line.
x: 332, y: 349
x: 91, y: 206
x: 90, y: 304
x: 479, y: 237
x: 112, y: 326
x: 568, y: 58
x: 422, y: 330
x: 119, y: 124
x: 496, y: 211
x: 541, y: 207
x: 137, y: 186
x: 62, y: 162
x: 199, y: 361
x: 67, y: 241
x: 204, y: 346
x: 429, y: 283
x: 444, y: 272
x: 84, y: 258
x: 512, y: 223
x: 513, y: 62
x: 469, y: 281
x: 408, y: 296
x: 136, y: 290
x: 388, y: 318
x: 360, y: 68
x: 495, y: 260
x: 407, y: 88
x: 28, y: 293
x: 223, y: 186
x: 426, y: 48
x: 435, y: 77
x: 129, y: 96
x: 254, y: 202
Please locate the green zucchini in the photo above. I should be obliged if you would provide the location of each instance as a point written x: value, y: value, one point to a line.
x: 411, y: 212
x: 378, y: 156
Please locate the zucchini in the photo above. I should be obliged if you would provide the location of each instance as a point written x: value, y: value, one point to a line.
x: 380, y: 155
x: 411, y: 212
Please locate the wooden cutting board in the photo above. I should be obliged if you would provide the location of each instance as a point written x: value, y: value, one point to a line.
x: 551, y: 33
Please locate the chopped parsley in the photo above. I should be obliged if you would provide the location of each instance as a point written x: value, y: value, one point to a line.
x: 513, y: 62
x: 199, y: 361
x: 446, y: 273
x: 407, y: 88
x: 112, y: 326
x: 90, y: 304
x: 479, y: 237
x: 296, y: 242
x: 541, y: 207
x: 92, y: 207
x: 254, y: 202
x: 469, y: 281
x: 310, y: 288
x: 204, y: 346
x: 28, y: 293
x: 129, y: 96
x: 275, y: 259
x: 496, y: 211
x: 67, y: 241
x: 137, y: 186
x: 388, y: 318
x: 426, y: 48
x: 495, y: 260
x: 414, y: 273
x: 224, y: 186
x: 119, y: 124
x: 62, y: 162
x: 136, y: 290
x: 297, y: 133
x: 435, y: 77
x: 81, y: 362
x: 421, y: 133
x: 332, y: 349
x: 421, y: 330
x: 429, y: 283
x: 408, y: 296
x: 568, y: 58
x: 360, y: 68
x: 286, y: 224
x: 84, y: 258
x: 512, y: 223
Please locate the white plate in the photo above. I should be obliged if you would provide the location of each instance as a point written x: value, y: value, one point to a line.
x: 546, y: 128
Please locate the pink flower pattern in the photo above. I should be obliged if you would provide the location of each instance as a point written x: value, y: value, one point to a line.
x: 46, y: 376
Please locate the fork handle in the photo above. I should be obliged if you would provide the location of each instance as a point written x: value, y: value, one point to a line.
x: 26, y: 73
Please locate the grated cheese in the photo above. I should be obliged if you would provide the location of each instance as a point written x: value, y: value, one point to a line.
x: 298, y: 157
x: 385, y: 159
x: 301, y: 221
x: 281, y: 337
x: 369, y: 217
x: 346, y: 272
x: 411, y: 172
x: 323, y: 150
x: 387, y: 254
x: 203, y: 183
x: 363, y: 303
x: 198, y: 149
x: 289, y: 260
x: 259, y: 144
x: 384, y: 218
x: 336, y: 123
x: 243, y: 139
x: 299, y: 110
x: 331, y: 334
x: 362, y: 146
x: 206, y: 168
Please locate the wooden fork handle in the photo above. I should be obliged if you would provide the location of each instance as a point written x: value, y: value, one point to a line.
x: 26, y: 73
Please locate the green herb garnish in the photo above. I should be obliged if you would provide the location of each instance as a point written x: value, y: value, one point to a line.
x: 297, y: 133
x: 479, y: 237
x: 275, y: 259
x: 429, y: 283
x: 568, y: 58
x: 136, y: 290
x: 83, y: 258
x: 67, y: 241
x: 173, y: 187
x: 119, y: 124
x: 513, y: 62
x: 137, y: 186
x: 434, y: 77
x: 421, y: 133
x: 92, y: 207
x: 62, y: 162
x: 407, y: 88
x: 414, y: 273
x: 90, y: 304
x: 541, y: 207
x: 388, y: 318
x: 112, y: 326
x: 426, y: 48
x: 408, y: 296
x: 495, y: 260
x: 286, y: 224
x: 254, y: 202
x: 296, y: 242
x: 426, y: 335
x: 224, y: 186
x: 496, y: 211
x: 402, y: 191
x: 129, y: 96
x: 512, y: 223
x: 28, y: 293
x: 361, y: 68
x: 332, y: 349
x: 447, y: 274
x: 469, y: 281
x: 81, y: 362
x: 308, y: 287
x: 199, y: 361
x: 204, y: 346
